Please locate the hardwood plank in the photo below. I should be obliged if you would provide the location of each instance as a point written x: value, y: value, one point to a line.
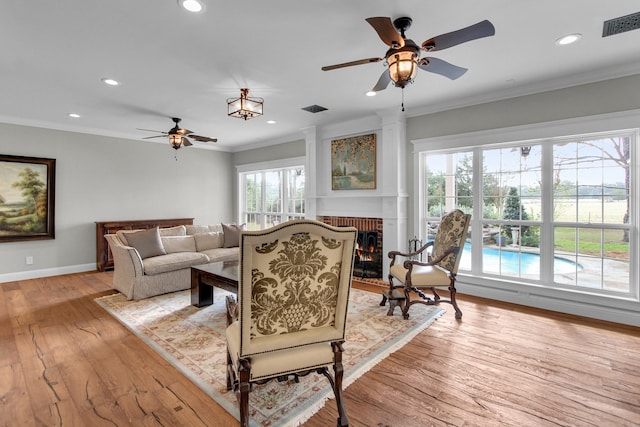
x: 14, y: 401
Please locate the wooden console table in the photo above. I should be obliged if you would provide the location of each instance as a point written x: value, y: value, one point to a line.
x: 104, y: 258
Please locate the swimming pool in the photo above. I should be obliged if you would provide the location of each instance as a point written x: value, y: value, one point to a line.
x: 515, y: 263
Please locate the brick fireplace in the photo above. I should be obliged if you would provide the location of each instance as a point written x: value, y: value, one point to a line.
x: 368, y: 258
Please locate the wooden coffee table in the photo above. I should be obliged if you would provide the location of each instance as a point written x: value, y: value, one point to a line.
x: 204, y: 277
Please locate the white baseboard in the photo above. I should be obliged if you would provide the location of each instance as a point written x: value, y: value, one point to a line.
x: 45, y: 272
x: 624, y: 315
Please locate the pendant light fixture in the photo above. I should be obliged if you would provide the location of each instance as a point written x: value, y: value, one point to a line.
x: 245, y: 107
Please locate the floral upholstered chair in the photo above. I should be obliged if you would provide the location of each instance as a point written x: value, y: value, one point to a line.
x: 439, y: 272
x: 289, y: 319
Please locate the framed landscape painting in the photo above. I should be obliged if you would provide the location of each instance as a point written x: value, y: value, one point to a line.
x: 353, y: 163
x: 27, y: 198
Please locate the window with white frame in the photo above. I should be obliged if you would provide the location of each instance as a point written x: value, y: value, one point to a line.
x: 271, y: 195
x: 553, y: 212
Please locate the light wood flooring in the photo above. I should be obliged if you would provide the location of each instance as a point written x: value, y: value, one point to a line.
x: 65, y: 362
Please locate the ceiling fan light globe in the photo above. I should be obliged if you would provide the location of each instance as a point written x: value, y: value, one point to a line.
x: 175, y: 140
x: 402, y: 67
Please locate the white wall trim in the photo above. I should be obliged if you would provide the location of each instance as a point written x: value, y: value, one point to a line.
x: 46, y: 272
x: 272, y: 164
x: 624, y: 311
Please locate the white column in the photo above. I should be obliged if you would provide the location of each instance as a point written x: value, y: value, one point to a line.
x: 311, y: 172
x: 394, y: 187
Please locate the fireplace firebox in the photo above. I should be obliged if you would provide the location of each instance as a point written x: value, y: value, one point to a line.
x: 368, y: 257
x: 368, y: 262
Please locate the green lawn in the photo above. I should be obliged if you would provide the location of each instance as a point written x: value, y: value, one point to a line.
x: 590, y: 241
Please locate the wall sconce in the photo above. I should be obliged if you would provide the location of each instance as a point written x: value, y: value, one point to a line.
x: 244, y: 107
x: 525, y: 151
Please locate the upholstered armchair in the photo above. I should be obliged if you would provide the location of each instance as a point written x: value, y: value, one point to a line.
x: 290, y: 315
x: 438, y: 272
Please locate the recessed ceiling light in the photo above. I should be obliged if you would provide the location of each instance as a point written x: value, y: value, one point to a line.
x: 74, y: 115
x: 568, y: 39
x: 110, y: 82
x: 371, y: 93
x: 192, y: 5
x: 271, y: 122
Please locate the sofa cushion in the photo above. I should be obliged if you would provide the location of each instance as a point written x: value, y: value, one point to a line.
x: 209, y: 240
x: 174, y: 244
x: 222, y: 254
x: 146, y: 242
x: 197, y: 229
x: 172, y: 262
x: 232, y: 234
x: 178, y: 230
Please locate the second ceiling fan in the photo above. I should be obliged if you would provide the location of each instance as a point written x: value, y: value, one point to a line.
x: 403, y: 57
x: 178, y: 136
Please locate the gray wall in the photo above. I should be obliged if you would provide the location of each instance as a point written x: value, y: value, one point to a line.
x: 609, y: 96
x: 99, y: 179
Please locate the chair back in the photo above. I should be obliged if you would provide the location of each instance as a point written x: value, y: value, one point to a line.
x: 293, y: 285
x: 452, y: 232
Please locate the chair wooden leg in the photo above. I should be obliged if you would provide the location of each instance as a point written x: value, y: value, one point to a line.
x: 230, y: 378
x: 343, y: 420
x: 384, y: 297
x: 452, y: 290
x: 244, y: 389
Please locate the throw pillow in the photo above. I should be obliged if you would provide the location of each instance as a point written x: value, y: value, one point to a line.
x: 146, y: 242
x: 232, y: 234
x: 178, y: 230
x: 211, y: 240
x: 197, y: 229
x: 173, y: 244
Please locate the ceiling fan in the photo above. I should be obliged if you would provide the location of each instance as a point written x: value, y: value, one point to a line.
x: 403, y: 57
x: 178, y: 136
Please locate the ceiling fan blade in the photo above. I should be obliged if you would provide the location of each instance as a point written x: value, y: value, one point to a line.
x: 183, y: 132
x: 387, y: 32
x: 155, y: 136
x: 349, y: 64
x: 203, y: 138
x: 186, y: 142
x: 152, y: 130
x: 444, y: 41
x: 383, y: 82
x: 444, y: 68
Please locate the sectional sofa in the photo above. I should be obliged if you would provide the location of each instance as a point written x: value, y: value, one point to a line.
x: 159, y: 260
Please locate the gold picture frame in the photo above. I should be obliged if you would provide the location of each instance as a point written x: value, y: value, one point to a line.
x: 27, y: 198
x: 353, y: 163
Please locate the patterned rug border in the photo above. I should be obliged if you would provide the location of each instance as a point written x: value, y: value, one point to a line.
x: 307, y: 409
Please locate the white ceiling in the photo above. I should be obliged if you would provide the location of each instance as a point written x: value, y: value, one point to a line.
x: 173, y: 63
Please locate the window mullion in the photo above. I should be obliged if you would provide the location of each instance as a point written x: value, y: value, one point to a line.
x: 476, y: 218
x: 547, y: 249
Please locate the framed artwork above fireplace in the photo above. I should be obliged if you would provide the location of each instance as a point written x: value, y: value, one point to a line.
x: 353, y: 163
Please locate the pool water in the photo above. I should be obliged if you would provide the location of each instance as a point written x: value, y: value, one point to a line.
x: 515, y: 263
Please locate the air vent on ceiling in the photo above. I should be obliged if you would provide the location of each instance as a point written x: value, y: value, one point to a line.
x: 314, y: 108
x: 621, y: 24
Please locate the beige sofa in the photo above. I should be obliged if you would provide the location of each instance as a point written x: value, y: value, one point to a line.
x: 157, y: 261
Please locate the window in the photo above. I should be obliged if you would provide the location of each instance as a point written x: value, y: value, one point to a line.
x: 553, y: 212
x: 271, y: 196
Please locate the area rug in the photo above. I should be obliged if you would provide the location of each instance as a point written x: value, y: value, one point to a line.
x: 192, y: 339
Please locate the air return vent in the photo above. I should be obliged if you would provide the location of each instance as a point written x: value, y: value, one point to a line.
x: 314, y: 108
x: 621, y: 24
